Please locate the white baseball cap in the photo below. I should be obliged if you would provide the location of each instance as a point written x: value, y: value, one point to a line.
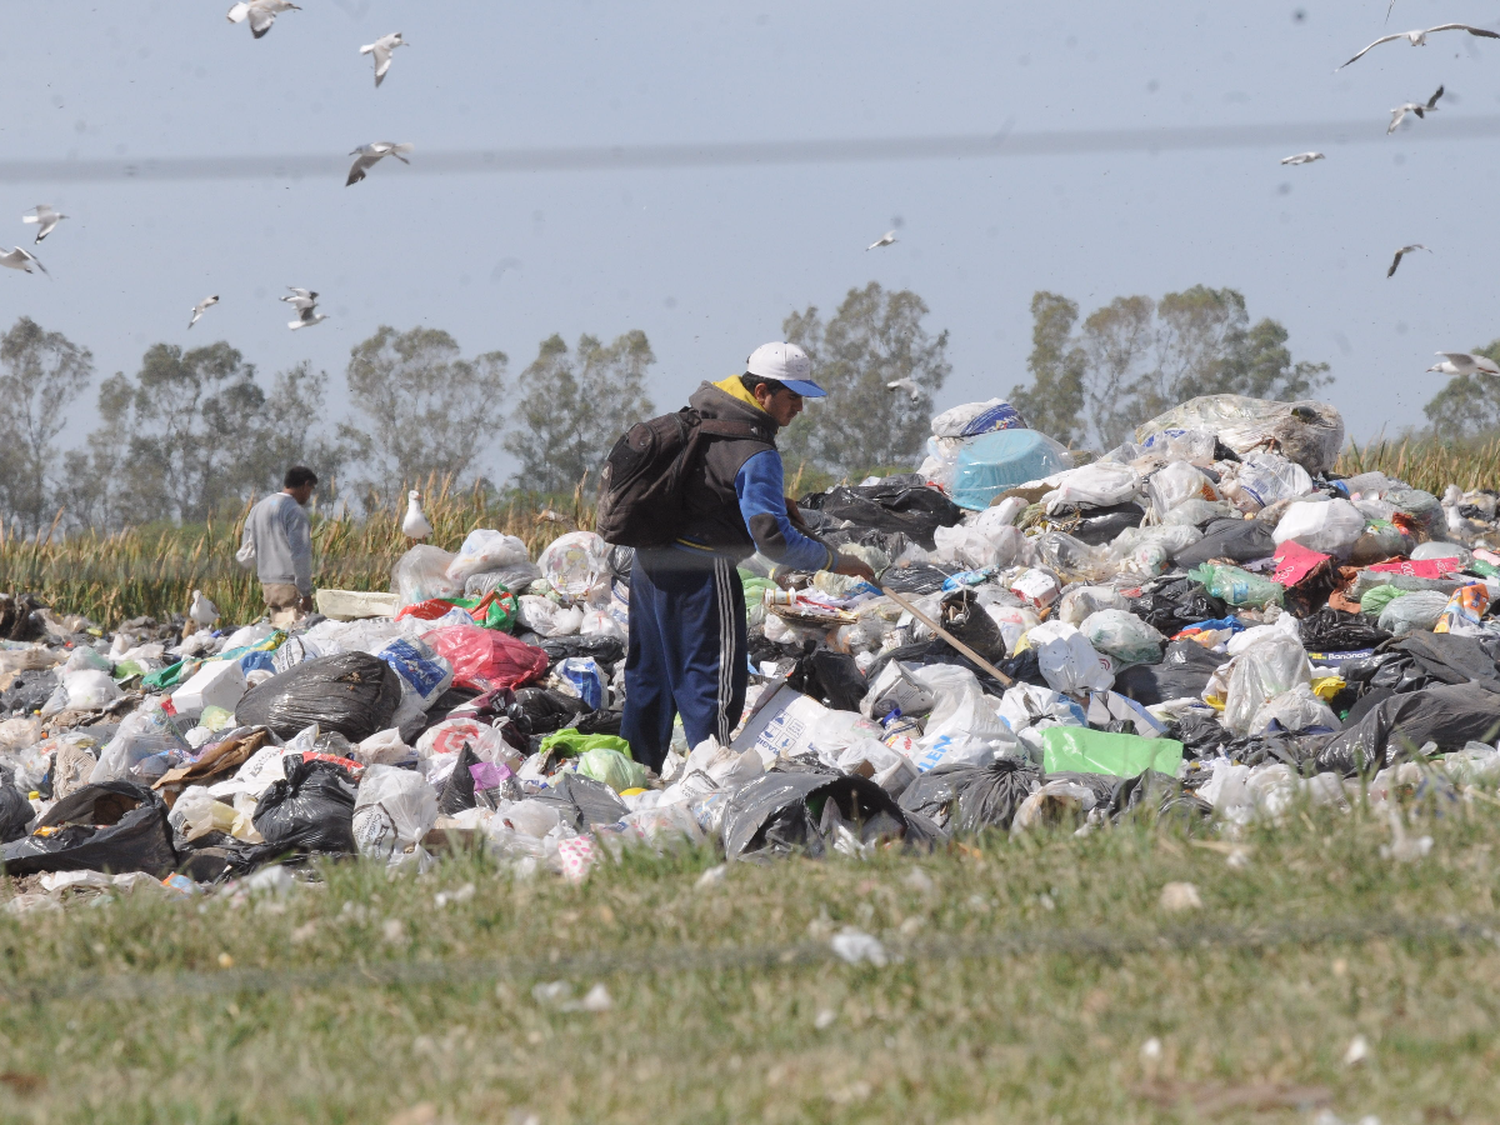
x: 787, y: 364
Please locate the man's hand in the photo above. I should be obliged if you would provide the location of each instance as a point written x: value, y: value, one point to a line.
x: 306, y: 604
x: 794, y: 514
x: 853, y: 566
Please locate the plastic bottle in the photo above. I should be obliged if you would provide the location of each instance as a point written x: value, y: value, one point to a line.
x: 1237, y: 587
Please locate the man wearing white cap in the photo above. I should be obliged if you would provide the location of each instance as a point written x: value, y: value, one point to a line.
x: 688, y: 650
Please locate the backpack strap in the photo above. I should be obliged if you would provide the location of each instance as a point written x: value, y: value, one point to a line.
x: 717, y: 427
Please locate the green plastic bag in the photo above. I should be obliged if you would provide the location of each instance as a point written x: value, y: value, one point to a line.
x: 170, y: 676
x: 613, y: 768
x: 573, y: 743
x: 1377, y: 598
x: 1081, y: 750
x: 1237, y: 587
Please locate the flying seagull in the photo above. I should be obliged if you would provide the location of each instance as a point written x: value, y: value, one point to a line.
x: 202, y: 307
x: 1302, y: 158
x: 371, y: 155
x: 1418, y: 38
x: 382, y: 49
x: 1462, y: 363
x: 308, y: 315
x: 46, y: 218
x: 906, y: 385
x: 261, y: 13
x: 1396, y: 261
x: 1398, y: 114
x: 20, y: 259
x: 884, y: 240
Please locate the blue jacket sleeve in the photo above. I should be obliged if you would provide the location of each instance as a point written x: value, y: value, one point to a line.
x: 759, y: 486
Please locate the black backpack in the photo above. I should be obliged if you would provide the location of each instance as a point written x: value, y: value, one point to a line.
x: 643, y: 488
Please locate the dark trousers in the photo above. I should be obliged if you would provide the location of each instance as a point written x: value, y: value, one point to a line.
x: 688, y: 651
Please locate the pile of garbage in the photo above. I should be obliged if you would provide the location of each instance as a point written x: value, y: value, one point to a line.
x: 1205, y: 623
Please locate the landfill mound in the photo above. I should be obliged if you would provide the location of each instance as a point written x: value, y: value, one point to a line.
x: 1204, y: 624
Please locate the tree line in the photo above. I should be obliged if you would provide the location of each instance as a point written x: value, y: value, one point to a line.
x: 191, y: 434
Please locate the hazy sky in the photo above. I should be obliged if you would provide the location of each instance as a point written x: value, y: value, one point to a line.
x: 709, y: 260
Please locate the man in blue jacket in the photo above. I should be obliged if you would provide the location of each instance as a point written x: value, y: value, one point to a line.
x: 688, y: 650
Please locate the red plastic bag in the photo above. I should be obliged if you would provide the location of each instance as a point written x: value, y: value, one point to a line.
x: 484, y: 659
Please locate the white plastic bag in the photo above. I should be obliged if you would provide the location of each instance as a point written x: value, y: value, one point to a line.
x: 1099, y: 485
x: 422, y: 574
x: 484, y: 550
x: 973, y: 547
x: 1261, y: 479
x: 546, y: 618
x: 141, y: 735
x: 1068, y: 662
x: 1294, y: 711
x: 1330, y: 527
x: 1082, y: 601
x: 393, y: 810
x: 1176, y: 483
x: 85, y: 690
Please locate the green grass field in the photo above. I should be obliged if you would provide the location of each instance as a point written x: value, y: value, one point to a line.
x: 1025, y: 980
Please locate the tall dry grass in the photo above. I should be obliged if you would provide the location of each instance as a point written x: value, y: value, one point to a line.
x: 152, y: 571
x: 1427, y: 463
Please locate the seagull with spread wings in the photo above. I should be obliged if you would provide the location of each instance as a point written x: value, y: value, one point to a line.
x: 1418, y: 38
x: 1302, y: 158
x: 1398, y: 114
x: 261, y: 14
x: 46, y: 220
x: 382, y: 49
x: 202, y: 307
x: 371, y: 155
x: 1462, y: 363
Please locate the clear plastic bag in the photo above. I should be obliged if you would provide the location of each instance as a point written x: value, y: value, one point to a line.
x: 1123, y: 636
x: 1262, y: 479
x: 1417, y: 611
x: 393, y: 811
x: 1176, y: 483
x: 422, y: 574
x: 576, y: 565
x: 1309, y: 433
x: 1099, y: 485
x: 485, y: 550
x: 1330, y: 527
x: 1082, y: 601
x: 1275, y: 664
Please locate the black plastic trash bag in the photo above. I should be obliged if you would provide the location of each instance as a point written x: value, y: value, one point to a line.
x: 913, y: 509
x: 310, y: 811
x: 15, y: 810
x: 1237, y: 540
x: 832, y: 678
x: 1450, y: 715
x: 1097, y: 526
x: 919, y: 578
x: 797, y: 810
x: 965, y: 618
x: 117, y: 826
x: 965, y: 799
x: 353, y: 693
x: 1158, y: 793
x: 939, y: 651
x: 542, y: 710
x: 20, y: 619
x: 1333, y: 630
x: 1184, y: 671
x: 606, y: 650
x: 29, y: 690
x: 583, y: 802
x: 1170, y: 605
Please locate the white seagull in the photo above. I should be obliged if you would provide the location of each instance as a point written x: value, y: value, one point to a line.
x: 382, y: 49
x: 261, y: 13
x: 1302, y: 158
x: 309, y: 315
x: 202, y: 307
x: 884, y: 240
x: 1462, y: 363
x: 1396, y: 261
x: 46, y: 218
x: 1398, y: 114
x: 415, y: 525
x: 1418, y: 38
x: 21, y: 259
x: 906, y: 385
x: 371, y: 155
x: 203, y: 612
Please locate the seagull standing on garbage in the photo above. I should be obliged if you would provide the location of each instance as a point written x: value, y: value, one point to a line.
x: 1303, y: 158
x: 202, y: 307
x: 203, y: 612
x: 46, y: 218
x: 884, y: 240
x: 415, y: 525
x: 261, y: 13
x: 1418, y: 38
x: 382, y: 49
x: 371, y: 155
x: 1398, y: 114
x: 1404, y: 250
x: 1462, y: 363
x: 21, y: 259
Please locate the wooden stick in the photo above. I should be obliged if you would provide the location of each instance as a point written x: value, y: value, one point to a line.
x: 947, y: 636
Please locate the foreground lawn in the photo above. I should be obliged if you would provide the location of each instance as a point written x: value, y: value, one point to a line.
x: 1038, y: 979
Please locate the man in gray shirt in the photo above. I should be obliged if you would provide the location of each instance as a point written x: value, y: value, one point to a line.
x: 278, y: 543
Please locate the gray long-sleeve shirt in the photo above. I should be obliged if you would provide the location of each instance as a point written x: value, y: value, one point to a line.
x: 282, y: 535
